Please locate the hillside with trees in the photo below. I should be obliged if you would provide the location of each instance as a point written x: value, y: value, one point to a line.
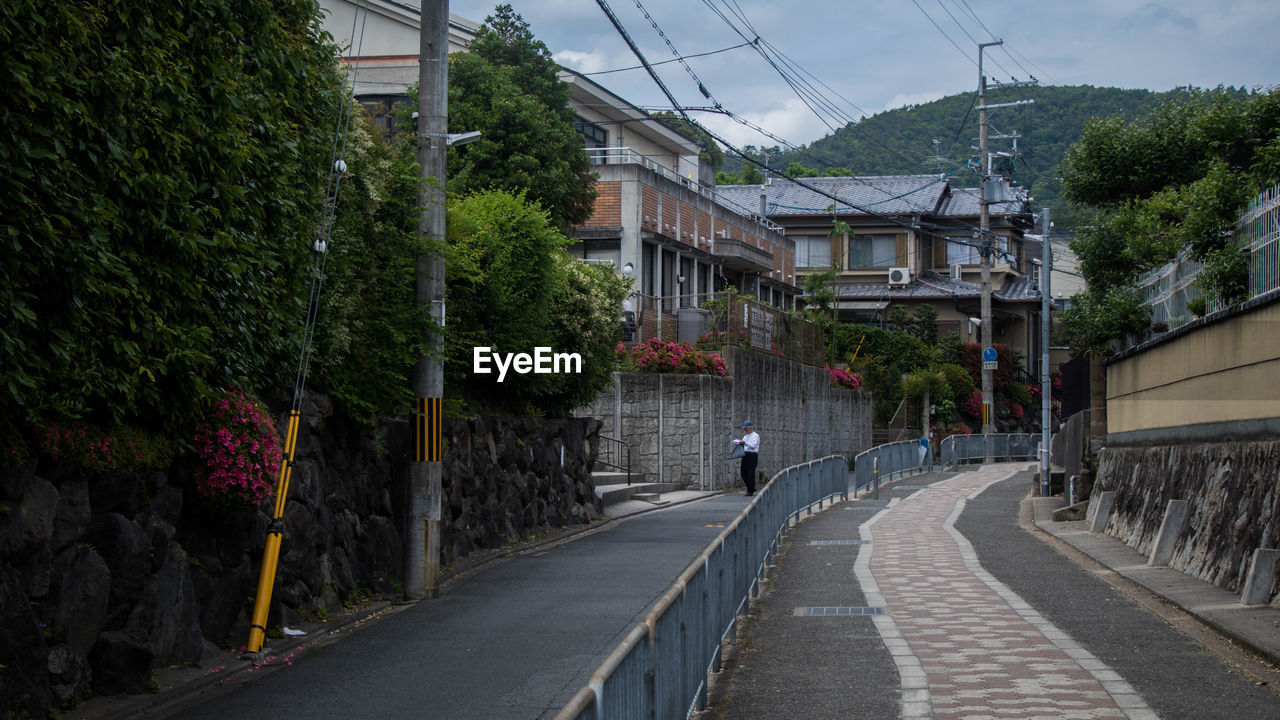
x: 901, y: 141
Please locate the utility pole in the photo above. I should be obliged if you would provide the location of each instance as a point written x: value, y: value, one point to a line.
x: 422, y: 536
x: 1046, y: 267
x: 987, y: 195
x: 986, y: 246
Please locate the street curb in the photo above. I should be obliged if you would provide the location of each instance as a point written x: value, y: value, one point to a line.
x: 1088, y: 562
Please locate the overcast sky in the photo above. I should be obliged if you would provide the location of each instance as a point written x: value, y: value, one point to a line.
x: 875, y: 56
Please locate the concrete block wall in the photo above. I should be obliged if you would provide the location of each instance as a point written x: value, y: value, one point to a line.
x: 679, y: 427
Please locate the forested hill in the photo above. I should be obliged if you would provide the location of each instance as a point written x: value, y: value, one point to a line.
x: 900, y: 141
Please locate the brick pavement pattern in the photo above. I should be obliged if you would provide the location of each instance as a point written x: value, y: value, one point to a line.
x: 966, y: 646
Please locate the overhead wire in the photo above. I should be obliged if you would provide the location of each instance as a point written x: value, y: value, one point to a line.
x: 665, y: 62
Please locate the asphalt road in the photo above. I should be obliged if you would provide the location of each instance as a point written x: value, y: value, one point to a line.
x: 514, y: 641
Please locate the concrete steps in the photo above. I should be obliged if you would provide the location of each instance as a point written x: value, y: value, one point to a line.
x: 648, y: 492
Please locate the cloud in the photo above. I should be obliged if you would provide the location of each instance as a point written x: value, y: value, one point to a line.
x: 583, y: 62
x: 1153, y: 16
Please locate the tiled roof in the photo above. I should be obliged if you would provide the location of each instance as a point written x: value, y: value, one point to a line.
x: 889, y: 195
x: 961, y: 202
x: 871, y: 195
x: 931, y: 285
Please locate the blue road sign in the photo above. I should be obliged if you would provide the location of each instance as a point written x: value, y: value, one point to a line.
x: 989, y: 354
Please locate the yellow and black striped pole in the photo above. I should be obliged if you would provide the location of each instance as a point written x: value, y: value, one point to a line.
x: 275, y: 532
x: 428, y: 418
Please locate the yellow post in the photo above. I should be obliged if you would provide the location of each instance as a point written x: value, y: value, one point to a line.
x: 275, y: 532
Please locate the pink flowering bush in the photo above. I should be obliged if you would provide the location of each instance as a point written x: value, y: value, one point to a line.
x: 659, y: 356
x: 841, y: 377
x: 95, y: 451
x: 238, y: 451
x: 972, y: 405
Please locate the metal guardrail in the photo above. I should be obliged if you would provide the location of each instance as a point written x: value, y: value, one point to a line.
x: 958, y: 449
x: 660, y: 670
x: 616, y: 454
x: 885, y: 462
x: 910, y: 457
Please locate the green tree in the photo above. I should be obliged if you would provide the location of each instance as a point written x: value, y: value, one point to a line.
x: 507, y: 88
x: 164, y: 168
x: 369, y: 332
x: 1175, y: 179
x: 516, y: 290
x: 709, y: 152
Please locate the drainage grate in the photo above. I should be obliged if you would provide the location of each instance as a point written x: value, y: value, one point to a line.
x: 813, y: 611
x: 839, y: 542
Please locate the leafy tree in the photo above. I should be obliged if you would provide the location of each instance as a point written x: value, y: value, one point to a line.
x: 163, y: 178
x: 515, y: 289
x: 369, y: 332
x: 1171, y: 180
x: 710, y: 153
x: 507, y: 88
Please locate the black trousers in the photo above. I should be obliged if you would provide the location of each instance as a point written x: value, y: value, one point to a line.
x: 749, y: 461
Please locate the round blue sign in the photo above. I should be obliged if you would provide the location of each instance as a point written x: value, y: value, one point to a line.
x: 989, y: 354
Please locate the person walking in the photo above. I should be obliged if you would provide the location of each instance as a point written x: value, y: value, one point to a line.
x: 750, y: 443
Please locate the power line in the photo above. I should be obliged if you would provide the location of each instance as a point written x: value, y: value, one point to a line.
x: 665, y: 62
x: 944, y: 33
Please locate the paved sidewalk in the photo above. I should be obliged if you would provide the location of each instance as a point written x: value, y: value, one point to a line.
x: 965, y: 645
x: 881, y: 609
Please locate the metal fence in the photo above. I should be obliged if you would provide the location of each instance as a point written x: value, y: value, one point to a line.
x: 660, y: 670
x: 882, y: 463
x: 726, y: 319
x: 1168, y: 288
x: 957, y: 449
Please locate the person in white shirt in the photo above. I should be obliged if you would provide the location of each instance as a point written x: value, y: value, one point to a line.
x: 750, y: 443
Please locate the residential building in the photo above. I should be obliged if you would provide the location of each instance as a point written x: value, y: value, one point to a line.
x: 658, y: 218
x: 912, y: 239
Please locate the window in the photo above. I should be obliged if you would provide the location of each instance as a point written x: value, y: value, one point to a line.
x: 593, y: 136
x: 812, y: 251
x: 963, y: 250
x: 648, y: 263
x: 873, y: 251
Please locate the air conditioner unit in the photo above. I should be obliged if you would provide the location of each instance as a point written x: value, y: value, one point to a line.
x: 899, y: 276
x: 955, y: 272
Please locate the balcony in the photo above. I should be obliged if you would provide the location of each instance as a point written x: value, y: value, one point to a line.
x: 737, y: 255
x: 627, y: 156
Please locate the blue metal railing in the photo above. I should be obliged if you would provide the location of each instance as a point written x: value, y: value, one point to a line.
x: 883, y: 463
x: 660, y: 670
x: 957, y: 449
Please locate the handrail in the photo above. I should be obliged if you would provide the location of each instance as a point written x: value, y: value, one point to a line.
x: 957, y: 449
x: 611, y: 455
x: 660, y: 669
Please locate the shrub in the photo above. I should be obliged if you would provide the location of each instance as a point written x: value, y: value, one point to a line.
x: 659, y: 356
x: 95, y: 451
x: 973, y: 404
x: 961, y: 382
x: 841, y: 377
x: 238, y: 450
x: 1018, y: 393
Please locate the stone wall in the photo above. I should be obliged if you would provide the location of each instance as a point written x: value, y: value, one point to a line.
x: 103, y: 578
x: 1233, y: 489
x: 679, y: 426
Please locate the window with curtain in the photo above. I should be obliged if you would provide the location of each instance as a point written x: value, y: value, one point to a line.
x: 964, y: 250
x: 873, y: 251
x: 812, y: 251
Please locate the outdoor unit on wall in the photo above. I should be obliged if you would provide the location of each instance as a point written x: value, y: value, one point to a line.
x: 899, y: 276
x: 955, y: 272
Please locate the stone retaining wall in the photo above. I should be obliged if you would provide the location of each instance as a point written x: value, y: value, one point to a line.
x: 103, y: 578
x: 1233, y: 489
x: 679, y: 426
